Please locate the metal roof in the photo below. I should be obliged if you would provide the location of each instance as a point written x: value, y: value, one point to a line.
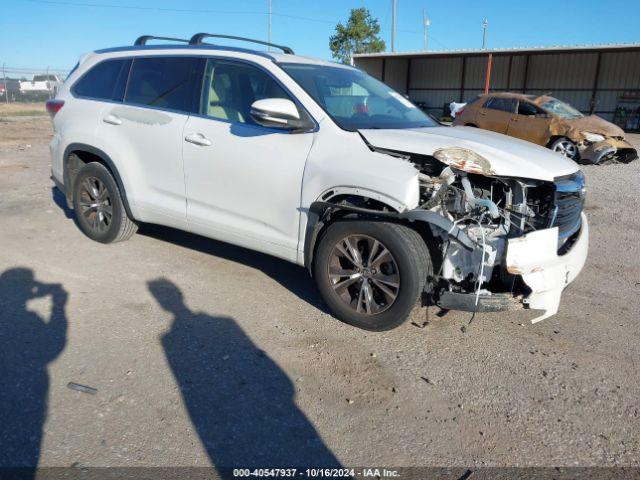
x: 504, y: 51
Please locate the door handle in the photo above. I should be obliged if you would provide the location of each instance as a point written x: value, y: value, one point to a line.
x: 198, y: 139
x: 482, y: 114
x: 112, y: 119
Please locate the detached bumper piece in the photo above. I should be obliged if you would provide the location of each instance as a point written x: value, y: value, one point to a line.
x: 546, y: 272
x: 608, y: 150
x: 544, y: 268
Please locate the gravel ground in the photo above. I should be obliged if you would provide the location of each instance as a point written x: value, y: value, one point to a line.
x: 207, y: 354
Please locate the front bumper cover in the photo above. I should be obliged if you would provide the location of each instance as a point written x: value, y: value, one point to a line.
x: 610, y: 148
x: 535, y: 257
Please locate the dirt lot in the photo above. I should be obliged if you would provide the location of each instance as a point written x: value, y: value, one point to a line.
x: 203, y: 353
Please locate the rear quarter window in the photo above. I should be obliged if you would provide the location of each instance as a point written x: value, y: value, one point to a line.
x: 165, y: 82
x: 105, y: 81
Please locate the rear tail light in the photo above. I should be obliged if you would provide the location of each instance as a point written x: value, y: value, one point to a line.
x: 54, y: 106
x: 459, y: 112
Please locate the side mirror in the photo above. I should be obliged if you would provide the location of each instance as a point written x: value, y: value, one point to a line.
x: 279, y: 113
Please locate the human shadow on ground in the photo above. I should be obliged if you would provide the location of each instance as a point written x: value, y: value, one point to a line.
x: 293, y: 277
x: 240, y: 402
x: 28, y: 343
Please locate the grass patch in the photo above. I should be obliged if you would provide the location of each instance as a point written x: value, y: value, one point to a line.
x: 22, y: 109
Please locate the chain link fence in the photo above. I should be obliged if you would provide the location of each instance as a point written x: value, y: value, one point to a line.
x: 26, y: 84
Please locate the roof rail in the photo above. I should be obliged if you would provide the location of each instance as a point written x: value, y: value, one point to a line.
x: 145, y: 38
x: 198, y: 37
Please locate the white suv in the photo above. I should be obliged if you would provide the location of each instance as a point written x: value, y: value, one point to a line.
x: 322, y: 165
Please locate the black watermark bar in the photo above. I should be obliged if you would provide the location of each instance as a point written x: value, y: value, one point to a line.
x: 374, y: 473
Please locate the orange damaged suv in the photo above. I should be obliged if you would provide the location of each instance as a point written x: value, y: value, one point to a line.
x: 551, y: 123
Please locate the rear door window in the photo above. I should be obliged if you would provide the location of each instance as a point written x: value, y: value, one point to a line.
x: 165, y: 82
x: 502, y: 104
x: 105, y: 81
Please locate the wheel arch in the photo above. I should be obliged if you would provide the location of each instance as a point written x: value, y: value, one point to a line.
x: 554, y: 138
x: 86, y: 154
x: 321, y: 214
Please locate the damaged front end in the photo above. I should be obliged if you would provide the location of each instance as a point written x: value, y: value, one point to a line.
x: 612, y: 149
x: 525, y: 239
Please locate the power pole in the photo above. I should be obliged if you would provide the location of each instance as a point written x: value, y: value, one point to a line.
x: 393, y: 25
x: 6, y: 92
x: 270, y: 12
x: 426, y: 23
x: 485, y: 24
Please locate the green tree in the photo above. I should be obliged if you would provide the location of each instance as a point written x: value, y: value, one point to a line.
x: 360, y: 35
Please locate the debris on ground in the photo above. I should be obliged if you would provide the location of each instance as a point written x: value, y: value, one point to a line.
x: 82, y: 388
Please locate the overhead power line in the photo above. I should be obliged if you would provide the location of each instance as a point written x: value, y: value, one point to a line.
x: 205, y: 10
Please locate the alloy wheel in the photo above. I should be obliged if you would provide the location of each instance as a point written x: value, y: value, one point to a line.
x: 364, y: 274
x: 95, y: 204
x: 566, y: 148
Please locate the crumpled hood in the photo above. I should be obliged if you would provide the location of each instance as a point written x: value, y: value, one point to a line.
x: 508, y: 156
x: 595, y: 124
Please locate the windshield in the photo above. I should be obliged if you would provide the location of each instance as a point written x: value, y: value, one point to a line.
x: 561, y: 109
x: 355, y: 100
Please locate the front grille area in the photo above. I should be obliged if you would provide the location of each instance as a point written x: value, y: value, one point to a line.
x: 569, y: 201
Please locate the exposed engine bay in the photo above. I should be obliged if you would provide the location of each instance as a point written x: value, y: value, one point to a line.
x: 459, y: 185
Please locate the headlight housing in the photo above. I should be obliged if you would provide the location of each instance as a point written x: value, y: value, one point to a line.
x: 464, y: 159
x: 592, y: 137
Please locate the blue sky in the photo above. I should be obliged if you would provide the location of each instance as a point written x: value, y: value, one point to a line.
x: 53, y: 33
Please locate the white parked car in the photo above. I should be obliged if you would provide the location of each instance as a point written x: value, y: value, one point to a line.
x: 322, y: 165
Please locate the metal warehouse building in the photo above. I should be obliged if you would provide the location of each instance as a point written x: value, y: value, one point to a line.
x: 604, y: 80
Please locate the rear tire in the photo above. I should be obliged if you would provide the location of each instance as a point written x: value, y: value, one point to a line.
x: 370, y: 273
x: 100, y: 212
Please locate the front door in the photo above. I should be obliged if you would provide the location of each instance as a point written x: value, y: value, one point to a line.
x: 243, y: 181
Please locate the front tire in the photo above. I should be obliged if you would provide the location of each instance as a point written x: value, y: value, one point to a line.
x: 371, y: 273
x: 566, y: 147
x: 100, y: 212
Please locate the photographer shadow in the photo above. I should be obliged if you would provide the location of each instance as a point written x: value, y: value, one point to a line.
x: 28, y: 344
x: 240, y: 402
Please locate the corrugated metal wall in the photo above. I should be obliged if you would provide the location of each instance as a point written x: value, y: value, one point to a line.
x: 573, y: 77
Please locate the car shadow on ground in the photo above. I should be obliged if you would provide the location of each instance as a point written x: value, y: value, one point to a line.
x: 240, y: 402
x: 293, y: 277
x: 28, y: 343
x: 60, y: 200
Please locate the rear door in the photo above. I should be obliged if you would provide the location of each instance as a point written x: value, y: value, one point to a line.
x: 530, y: 123
x: 496, y: 113
x: 243, y: 180
x: 144, y: 133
